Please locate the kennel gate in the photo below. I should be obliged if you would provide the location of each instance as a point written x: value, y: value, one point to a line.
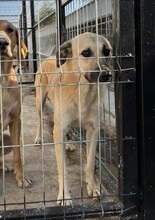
x: 131, y: 195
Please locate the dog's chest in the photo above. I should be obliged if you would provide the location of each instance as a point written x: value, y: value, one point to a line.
x: 88, y: 111
x: 89, y: 105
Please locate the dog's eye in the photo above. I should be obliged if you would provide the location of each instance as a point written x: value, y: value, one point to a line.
x: 9, y: 30
x: 106, y: 52
x: 86, y: 53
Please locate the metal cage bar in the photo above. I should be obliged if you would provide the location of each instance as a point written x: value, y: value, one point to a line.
x: 33, y: 37
x: 145, y: 50
x: 126, y: 120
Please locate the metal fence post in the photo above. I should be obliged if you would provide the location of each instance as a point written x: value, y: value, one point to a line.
x: 126, y: 106
x: 60, y: 19
x: 33, y: 36
x: 24, y: 29
x: 24, y: 22
x: 145, y: 66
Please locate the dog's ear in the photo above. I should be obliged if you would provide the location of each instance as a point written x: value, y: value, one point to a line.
x: 24, y: 49
x: 24, y: 52
x: 21, y: 46
x: 20, y: 53
x: 64, y: 52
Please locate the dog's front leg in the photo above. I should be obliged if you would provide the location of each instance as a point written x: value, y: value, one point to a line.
x: 64, y: 197
x: 37, y: 139
x: 40, y: 103
x: 91, y: 135
x: 22, y: 180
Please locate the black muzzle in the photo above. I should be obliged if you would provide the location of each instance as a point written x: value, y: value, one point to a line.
x: 3, y: 44
x: 104, y: 76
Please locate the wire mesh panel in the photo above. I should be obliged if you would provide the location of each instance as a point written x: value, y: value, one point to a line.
x: 96, y: 17
x: 73, y: 141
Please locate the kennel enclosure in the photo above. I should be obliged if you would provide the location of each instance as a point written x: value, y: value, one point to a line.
x: 125, y: 157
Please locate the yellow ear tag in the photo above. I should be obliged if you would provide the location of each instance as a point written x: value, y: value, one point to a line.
x: 23, y: 53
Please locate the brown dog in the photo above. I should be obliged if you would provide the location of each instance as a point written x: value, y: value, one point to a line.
x: 10, y: 95
x: 76, y: 91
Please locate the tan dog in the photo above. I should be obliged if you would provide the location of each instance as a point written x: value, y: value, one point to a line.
x: 75, y: 93
x: 45, y: 67
x: 10, y: 95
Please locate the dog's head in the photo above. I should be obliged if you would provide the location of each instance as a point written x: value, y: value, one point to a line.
x: 92, y: 53
x: 9, y: 39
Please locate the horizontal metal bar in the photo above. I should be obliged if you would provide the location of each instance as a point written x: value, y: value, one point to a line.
x: 69, y: 212
x: 66, y: 2
x: 28, y: 82
x: 9, y: 15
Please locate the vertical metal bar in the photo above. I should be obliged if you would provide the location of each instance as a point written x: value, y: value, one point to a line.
x: 145, y: 50
x: 126, y: 104
x: 58, y: 26
x: 60, y: 17
x: 24, y: 25
x: 63, y: 25
x: 24, y: 21
x: 59, y: 41
x: 33, y: 36
x: 41, y: 109
x: 21, y: 25
x: 140, y: 118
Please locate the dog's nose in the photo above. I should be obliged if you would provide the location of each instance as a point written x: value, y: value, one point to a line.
x: 3, y: 43
x: 105, y: 76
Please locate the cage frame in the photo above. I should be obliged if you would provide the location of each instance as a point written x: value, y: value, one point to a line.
x: 133, y: 172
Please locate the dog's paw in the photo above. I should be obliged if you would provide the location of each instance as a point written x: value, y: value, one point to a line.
x: 23, y: 181
x: 8, y: 166
x: 93, y: 190
x: 37, y: 140
x: 70, y: 146
x: 64, y: 201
